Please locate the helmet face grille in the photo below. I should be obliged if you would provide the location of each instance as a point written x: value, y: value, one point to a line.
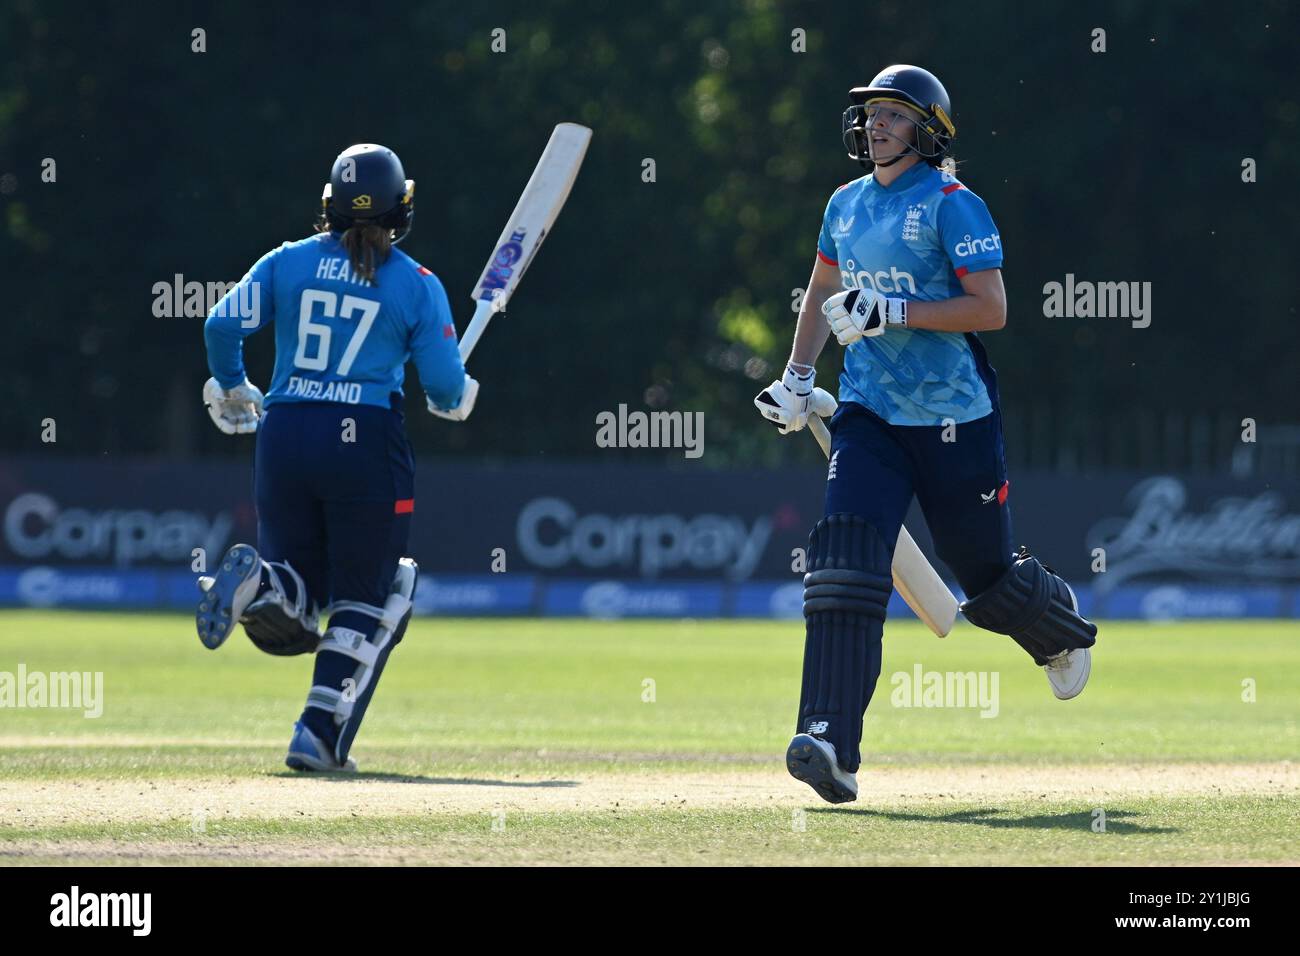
x: 928, y: 139
x: 902, y: 85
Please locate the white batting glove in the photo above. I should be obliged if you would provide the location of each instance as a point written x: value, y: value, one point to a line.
x: 235, y: 411
x: 788, y: 401
x: 860, y: 313
x: 461, y: 411
x: 823, y: 403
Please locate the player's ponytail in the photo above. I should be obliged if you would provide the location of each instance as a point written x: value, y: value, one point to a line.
x: 368, y: 246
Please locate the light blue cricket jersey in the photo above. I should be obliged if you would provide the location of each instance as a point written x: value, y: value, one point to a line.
x: 337, y: 337
x: 913, y: 239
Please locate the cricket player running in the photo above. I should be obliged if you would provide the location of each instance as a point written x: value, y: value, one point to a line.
x: 334, y: 474
x: 908, y: 270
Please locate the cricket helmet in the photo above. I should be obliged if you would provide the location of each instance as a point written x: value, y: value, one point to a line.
x: 908, y: 86
x: 368, y: 185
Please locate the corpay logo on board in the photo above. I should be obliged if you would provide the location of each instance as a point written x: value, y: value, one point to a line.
x: 36, y: 527
x: 551, y: 534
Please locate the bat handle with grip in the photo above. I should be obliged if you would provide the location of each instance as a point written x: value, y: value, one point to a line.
x: 483, y: 313
x: 821, y: 433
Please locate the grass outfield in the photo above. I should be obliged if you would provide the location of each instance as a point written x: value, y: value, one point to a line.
x: 525, y: 741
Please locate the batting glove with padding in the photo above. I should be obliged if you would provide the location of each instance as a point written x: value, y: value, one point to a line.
x: 860, y: 313
x: 462, y: 410
x: 236, y: 410
x: 788, y: 401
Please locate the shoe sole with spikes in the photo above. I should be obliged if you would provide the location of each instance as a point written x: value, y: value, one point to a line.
x: 231, y: 590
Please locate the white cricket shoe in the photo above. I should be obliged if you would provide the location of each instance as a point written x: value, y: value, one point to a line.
x: 812, y: 761
x: 1068, y: 671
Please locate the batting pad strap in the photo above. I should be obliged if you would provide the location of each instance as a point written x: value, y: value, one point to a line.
x: 388, y: 616
x: 349, y: 643
x: 324, y: 698
x: 277, y: 572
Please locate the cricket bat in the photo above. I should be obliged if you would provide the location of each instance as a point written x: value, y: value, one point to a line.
x: 527, y: 227
x: 914, y: 578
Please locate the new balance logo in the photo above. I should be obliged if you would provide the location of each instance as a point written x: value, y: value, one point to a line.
x: 818, y: 726
x: 830, y: 474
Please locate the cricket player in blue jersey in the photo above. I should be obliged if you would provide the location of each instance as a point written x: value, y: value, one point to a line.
x: 908, y: 271
x: 334, y: 473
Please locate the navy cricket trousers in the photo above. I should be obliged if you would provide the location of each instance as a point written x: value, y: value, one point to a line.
x: 338, y: 510
x: 961, y: 485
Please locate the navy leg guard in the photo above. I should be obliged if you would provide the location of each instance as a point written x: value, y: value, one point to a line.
x: 350, y: 661
x: 1035, y: 607
x: 846, y: 591
x: 283, y: 621
x: 268, y: 598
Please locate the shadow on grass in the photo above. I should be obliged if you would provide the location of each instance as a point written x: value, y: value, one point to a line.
x: 1117, y: 821
x: 418, y: 778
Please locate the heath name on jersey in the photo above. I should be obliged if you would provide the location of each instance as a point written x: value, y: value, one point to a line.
x: 913, y: 239
x: 339, y: 269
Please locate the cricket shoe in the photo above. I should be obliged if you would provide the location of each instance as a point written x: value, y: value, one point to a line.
x: 227, y: 594
x: 812, y: 760
x: 1068, y: 671
x: 309, y: 752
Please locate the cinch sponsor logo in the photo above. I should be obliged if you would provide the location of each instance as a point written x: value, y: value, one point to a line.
x: 894, y: 280
x: 36, y: 527
x: 551, y: 534
x: 75, y: 908
x: 346, y: 392
x: 975, y: 247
